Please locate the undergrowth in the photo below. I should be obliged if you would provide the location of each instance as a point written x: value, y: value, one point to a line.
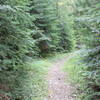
x: 85, y: 77
x: 75, y: 68
x: 28, y: 81
x: 25, y: 83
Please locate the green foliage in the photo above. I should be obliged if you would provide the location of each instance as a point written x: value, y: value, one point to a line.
x: 33, y: 28
x: 67, y: 38
x: 92, y: 74
x: 87, y: 31
x: 46, y: 21
x: 86, y: 76
x: 16, y: 43
x: 89, y: 23
x: 30, y: 29
x: 74, y: 68
x: 87, y: 20
x: 26, y: 82
x: 15, y: 39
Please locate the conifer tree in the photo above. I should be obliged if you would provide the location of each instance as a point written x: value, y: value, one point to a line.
x: 13, y: 34
x: 65, y: 26
x: 87, y: 20
x: 45, y: 20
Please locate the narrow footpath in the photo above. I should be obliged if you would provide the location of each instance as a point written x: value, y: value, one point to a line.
x: 59, y: 87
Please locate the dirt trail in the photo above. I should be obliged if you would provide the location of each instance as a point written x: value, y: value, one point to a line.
x: 58, y: 88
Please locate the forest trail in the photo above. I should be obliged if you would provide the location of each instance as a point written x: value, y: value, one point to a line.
x: 59, y: 89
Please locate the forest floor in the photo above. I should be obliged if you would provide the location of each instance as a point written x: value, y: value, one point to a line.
x: 59, y: 86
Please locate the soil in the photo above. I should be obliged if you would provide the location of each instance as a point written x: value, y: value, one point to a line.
x: 59, y: 86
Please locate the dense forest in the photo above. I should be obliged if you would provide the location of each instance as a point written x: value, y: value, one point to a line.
x: 31, y: 30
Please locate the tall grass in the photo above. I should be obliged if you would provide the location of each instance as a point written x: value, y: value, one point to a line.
x: 40, y: 69
x: 75, y: 68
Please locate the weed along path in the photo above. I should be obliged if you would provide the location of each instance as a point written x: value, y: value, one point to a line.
x: 58, y: 88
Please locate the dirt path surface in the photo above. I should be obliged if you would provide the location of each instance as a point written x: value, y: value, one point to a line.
x: 59, y: 89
